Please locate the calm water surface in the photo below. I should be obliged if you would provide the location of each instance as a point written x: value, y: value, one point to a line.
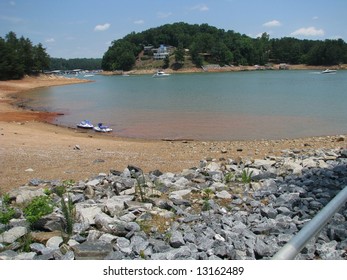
x: 208, y: 106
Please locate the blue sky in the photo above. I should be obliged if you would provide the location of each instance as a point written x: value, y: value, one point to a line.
x: 85, y: 28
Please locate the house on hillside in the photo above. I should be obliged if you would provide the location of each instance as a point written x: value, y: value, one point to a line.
x: 161, y: 53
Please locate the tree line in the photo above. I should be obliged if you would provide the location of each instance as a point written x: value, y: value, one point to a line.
x: 208, y: 44
x: 20, y: 57
x: 75, y: 63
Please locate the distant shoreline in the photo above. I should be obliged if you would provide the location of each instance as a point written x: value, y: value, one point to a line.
x: 225, y: 69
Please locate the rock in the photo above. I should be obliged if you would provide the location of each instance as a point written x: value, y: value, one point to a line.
x: 54, y: 242
x: 13, y: 234
x: 116, y: 204
x: 237, y: 221
x: 223, y: 195
x: 86, y: 213
x: 25, y: 194
x: 176, y: 239
x: 96, y: 250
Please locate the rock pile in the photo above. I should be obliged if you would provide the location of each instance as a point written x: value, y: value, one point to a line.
x: 225, y: 209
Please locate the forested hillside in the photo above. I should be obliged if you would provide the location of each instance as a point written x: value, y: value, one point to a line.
x: 208, y: 44
x: 75, y: 63
x: 19, y: 57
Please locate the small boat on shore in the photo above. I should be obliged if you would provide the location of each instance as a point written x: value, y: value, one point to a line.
x: 160, y: 73
x: 328, y: 71
x: 85, y: 124
x: 102, y: 128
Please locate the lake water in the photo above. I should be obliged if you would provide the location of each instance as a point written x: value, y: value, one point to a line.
x: 206, y: 106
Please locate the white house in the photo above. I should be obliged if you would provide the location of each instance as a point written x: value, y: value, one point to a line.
x: 161, y: 53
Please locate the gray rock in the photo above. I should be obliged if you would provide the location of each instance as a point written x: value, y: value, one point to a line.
x: 54, y: 242
x: 223, y: 195
x: 138, y: 244
x: 176, y: 239
x: 13, y: 234
x: 96, y: 250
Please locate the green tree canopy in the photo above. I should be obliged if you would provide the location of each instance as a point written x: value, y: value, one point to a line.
x: 20, y: 57
x: 208, y: 44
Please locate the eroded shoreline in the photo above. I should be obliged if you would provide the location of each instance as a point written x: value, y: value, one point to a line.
x: 31, y: 147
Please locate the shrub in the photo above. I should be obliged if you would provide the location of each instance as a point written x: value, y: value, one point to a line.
x: 37, y: 208
x: 6, y: 212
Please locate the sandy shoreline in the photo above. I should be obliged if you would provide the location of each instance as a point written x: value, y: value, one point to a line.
x: 31, y: 147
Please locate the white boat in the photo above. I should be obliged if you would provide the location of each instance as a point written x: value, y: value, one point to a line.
x: 85, y: 124
x: 328, y: 71
x: 160, y: 73
x: 88, y: 75
x: 102, y: 128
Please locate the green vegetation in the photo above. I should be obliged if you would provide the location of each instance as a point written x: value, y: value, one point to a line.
x: 75, y: 63
x: 68, y: 210
x: 6, y: 211
x: 191, y: 45
x: 210, y: 45
x: 20, y: 57
x: 37, y: 208
x: 246, y: 176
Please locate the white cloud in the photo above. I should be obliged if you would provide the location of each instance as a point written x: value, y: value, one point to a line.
x: 200, y: 8
x: 102, y: 27
x: 273, y: 23
x: 50, y: 40
x: 163, y: 15
x: 140, y: 21
x: 309, y: 31
x: 315, y: 18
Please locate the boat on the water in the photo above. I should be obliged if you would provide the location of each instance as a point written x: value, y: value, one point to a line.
x: 102, y: 128
x: 85, y: 124
x: 160, y: 73
x: 328, y: 71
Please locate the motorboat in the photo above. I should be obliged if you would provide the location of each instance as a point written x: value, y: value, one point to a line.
x: 102, y: 128
x: 85, y: 124
x: 160, y: 73
x: 328, y: 71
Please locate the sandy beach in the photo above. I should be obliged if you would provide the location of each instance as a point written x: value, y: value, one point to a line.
x: 31, y: 147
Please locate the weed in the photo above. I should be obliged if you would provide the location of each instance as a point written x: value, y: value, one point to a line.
x: 143, y: 255
x: 246, y: 176
x: 69, y: 213
x: 6, y: 199
x: 141, y: 186
x: 6, y: 212
x: 229, y: 177
x: 37, y: 208
x: 207, y: 193
x: 206, y: 205
x: 25, y: 242
x: 60, y: 190
x: 6, y: 215
x: 47, y: 192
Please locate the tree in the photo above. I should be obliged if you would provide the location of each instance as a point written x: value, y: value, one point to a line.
x: 179, y: 55
x: 219, y: 46
x: 20, y: 57
x: 120, y: 56
x: 41, y: 58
